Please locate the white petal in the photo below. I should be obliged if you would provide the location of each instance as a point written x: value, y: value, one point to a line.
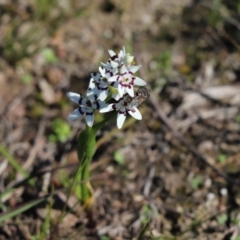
x: 123, y: 69
x: 74, y: 97
x: 130, y: 91
x: 121, y: 90
x: 91, y: 84
x: 96, y: 77
x: 113, y: 78
x: 103, y: 95
x: 102, y: 104
x: 83, y: 102
x: 107, y: 108
x: 134, y: 112
x: 134, y: 69
x: 105, y: 65
x: 138, y: 81
x: 124, y: 51
x: 103, y: 85
x: 128, y: 59
x: 118, y: 105
x: 92, y: 90
x: 114, y: 64
x: 96, y: 94
x: 89, y: 119
x: 74, y: 115
x: 121, y: 54
x: 93, y: 94
x: 95, y: 105
x: 102, y: 71
x: 111, y: 53
x: 120, y: 119
x: 111, y: 72
x: 116, y: 97
x: 115, y: 84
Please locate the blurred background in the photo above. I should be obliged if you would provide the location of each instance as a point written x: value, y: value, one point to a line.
x: 143, y: 174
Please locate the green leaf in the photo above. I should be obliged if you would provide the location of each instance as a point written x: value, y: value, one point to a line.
x: 238, y: 118
x: 13, y: 162
x: 196, y: 182
x: 18, y: 210
x: 61, y: 130
x: 235, y: 238
x: 222, y: 158
x: 86, y: 144
x: 119, y: 157
x: 87, y: 139
x: 105, y: 238
x: 86, y: 149
x: 143, y: 231
x: 113, y: 90
x: 49, y: 55
x: 222, y: 219
x: 26, y: 78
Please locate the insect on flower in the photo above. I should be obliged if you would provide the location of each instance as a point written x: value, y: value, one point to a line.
x: 116, y: 81
x: 141, y: 95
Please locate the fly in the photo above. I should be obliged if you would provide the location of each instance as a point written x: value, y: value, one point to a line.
x: 141, y: 95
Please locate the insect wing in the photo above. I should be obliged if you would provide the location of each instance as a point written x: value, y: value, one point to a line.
x: 141, y: 95
x: 136, y: 101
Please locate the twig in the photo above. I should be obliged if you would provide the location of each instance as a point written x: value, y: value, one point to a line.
x: 36, y: 146
x: 148, y: 182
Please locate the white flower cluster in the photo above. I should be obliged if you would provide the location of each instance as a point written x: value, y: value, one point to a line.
x: 117, y: 73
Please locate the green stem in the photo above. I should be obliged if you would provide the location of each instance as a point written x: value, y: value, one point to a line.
x: 85, y: 185
x: 86, y: 150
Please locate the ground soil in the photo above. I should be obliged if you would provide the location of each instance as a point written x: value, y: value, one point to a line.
x: 176, y: 171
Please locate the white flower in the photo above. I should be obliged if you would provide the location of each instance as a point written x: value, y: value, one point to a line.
x: 99, y: 83
x: 85, y: 106
x: 106, y: 74
x: 126, y: 80
x: 122, y: 107
x: 98, y: 86
x: 117, y: 60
